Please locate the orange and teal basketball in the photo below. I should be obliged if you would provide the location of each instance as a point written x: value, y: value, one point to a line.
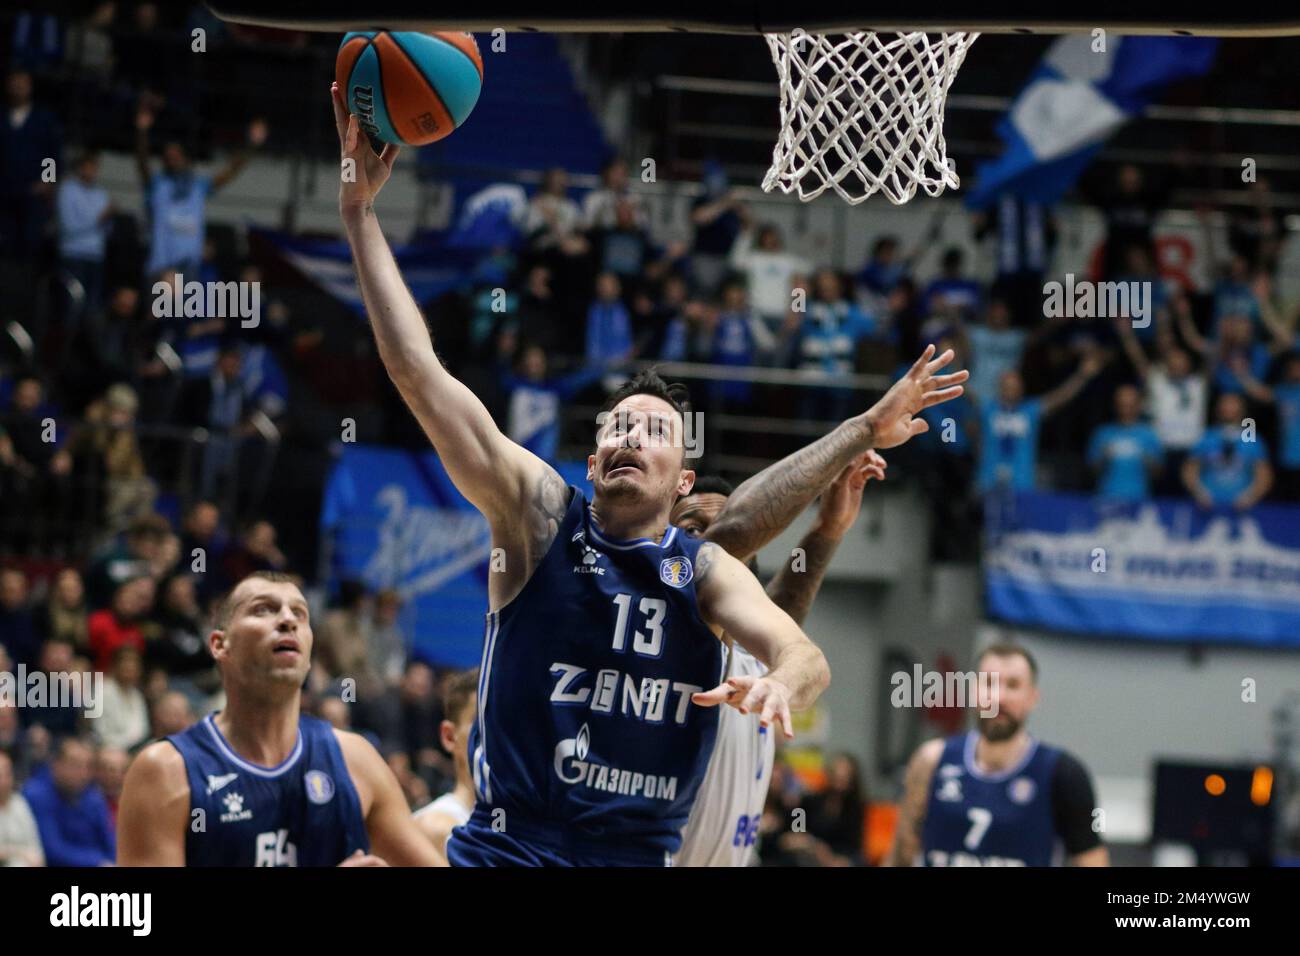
x: 409, y: 88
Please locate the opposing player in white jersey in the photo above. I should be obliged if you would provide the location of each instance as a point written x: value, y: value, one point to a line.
x: 452, y: 809
x: 724, y: 820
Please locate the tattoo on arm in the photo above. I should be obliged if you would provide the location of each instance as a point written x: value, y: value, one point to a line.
x: 704, y: 561
x: 764, y: 505
x: 546, y: 511
x: 794, y: 591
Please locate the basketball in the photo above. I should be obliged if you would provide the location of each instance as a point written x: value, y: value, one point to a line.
x: 409, y: 88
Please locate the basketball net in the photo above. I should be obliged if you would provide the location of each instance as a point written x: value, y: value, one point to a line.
x: 863, y: 113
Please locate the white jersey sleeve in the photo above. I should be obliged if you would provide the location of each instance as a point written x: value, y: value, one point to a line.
x: 449, y: 805
x: 724, y: 820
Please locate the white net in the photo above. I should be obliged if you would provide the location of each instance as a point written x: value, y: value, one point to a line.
x: 863, y: 113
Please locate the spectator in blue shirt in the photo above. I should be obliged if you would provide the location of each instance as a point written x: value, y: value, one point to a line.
x: 672, y: 322
x: 70, y: 810
x: 1285, y: 397
x: 952, y: 293
x: 829, y: 334
x: 1238, y: 353
x: 740, y: 338
x: 533, y: 417
x: 827, y: 341
x: 1140, y: 270
x: 609, y: 327
x: 1009, y: 426
x: 718, y: 216
x: 1232, y: 353
x: 177, y: 198
x: 884, y: 269
x: 1229, y: 466
x: 995, y: 347
x: 84, y: 208
x: 1234, y: 295
x: 1127, y: 452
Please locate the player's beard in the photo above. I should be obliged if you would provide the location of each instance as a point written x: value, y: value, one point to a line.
x: 998, y: 728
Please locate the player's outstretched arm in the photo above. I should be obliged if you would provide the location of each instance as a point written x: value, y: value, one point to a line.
x: 154, y: 811
x: 732, y: 600
x: 764, y: 505
x: 915, y: 802
x: 496, y: 475
x: 794, y: 587
x: 394, y: 836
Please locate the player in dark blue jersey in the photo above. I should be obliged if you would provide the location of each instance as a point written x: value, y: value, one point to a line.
x: 258, y: 783
x: 997, y: 796
x: 602, y: 649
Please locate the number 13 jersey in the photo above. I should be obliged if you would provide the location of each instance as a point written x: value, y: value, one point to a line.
x: 587, y: 744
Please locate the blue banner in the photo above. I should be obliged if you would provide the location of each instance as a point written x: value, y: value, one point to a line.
x: 1158, y: 569
x: 395, y: 520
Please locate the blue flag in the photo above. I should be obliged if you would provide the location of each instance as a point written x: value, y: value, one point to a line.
x: 429, y: 268
x: 393, y: 519
x: 1073, y: 102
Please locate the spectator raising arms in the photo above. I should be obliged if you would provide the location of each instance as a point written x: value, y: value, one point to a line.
x: 1009, y: 424
x: 1177, y: 396
x: 177, y: 197
x: 768, y: 269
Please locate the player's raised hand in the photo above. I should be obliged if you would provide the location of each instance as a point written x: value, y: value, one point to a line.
x: 893, y: 419
x: 361, y: 179
x: 769, y: 697
x: 842, y: 499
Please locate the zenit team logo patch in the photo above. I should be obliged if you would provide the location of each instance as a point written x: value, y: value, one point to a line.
x: 319, y: 786
x: 676, y: 572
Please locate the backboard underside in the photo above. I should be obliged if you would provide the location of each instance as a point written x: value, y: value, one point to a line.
x: 770, y: 16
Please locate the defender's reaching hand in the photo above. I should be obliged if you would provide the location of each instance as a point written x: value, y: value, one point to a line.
x: 893, y: 420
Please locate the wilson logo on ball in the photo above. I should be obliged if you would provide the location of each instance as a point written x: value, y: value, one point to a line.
x: 409, y: 88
